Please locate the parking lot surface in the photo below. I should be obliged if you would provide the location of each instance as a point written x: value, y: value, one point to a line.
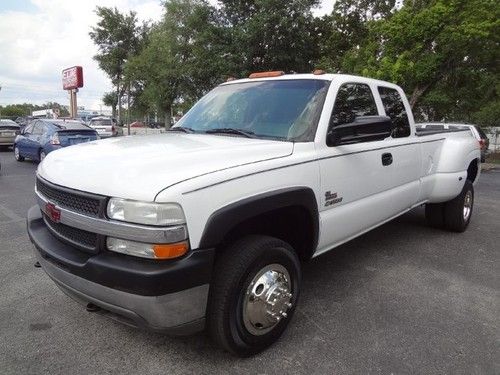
x: 404, y: 298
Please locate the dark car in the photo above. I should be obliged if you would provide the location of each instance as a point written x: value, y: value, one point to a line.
x: 43, y: 136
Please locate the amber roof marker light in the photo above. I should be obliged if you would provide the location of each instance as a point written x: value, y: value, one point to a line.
x: 275, y: 73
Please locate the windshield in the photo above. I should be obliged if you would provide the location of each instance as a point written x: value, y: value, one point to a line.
x: 287, y: 109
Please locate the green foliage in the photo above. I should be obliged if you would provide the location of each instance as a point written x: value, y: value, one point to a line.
x: 110, y: 99
x: 118, y: 37
x: 444, y: 53
x: 25, y: 109
x: 184, y: 57
x: 270, y: 35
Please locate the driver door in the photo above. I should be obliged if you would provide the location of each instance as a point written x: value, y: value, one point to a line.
x: 355, y: 178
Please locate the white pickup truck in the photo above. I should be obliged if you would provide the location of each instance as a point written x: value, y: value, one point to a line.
x: 206, y: 226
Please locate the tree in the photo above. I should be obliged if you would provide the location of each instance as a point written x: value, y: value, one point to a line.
x: 347, y: 28
x: 182, y: 59
x: 270, y: 35
x: 118, y: 37
x: 443, y: 53
x: 25, y: 109
x: 110, y: 99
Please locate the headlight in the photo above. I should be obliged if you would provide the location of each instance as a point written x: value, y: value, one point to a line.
x: 145, y: 250
x: 161, y: 214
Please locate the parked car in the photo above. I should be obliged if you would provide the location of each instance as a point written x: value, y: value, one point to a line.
x: 207, y: 225
x: 105, y: 126
x: 46, y: 135
x: 8, y: 132
x: 482, y: 138
x: 137, y: 124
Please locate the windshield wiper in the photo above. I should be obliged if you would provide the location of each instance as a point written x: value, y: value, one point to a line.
x: 244, y: 133
x: 181, y: 129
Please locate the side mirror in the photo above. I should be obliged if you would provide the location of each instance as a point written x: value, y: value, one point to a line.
x: 362, y: 129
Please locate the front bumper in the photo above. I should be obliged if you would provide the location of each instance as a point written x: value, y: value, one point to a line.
x: 167, y: 296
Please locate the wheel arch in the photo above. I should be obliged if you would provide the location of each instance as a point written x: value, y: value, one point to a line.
x: 289, y: 214
x: 473, y: 170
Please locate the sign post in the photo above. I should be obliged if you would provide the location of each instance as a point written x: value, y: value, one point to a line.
x: 72, y: 79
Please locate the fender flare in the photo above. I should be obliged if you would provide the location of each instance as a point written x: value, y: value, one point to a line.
x: 222, y: 221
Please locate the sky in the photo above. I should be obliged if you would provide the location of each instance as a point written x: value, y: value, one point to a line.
x: 39, y: 38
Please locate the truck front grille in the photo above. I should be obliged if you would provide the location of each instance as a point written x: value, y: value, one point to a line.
x: 84, y: 203
x: 86, y: 241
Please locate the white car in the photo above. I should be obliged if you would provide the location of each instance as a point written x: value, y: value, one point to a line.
x: 207, y: 225
x: 104, y: 126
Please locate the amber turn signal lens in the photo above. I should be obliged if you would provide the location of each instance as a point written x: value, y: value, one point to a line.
x: 275, y: 73
x: 170, y: 250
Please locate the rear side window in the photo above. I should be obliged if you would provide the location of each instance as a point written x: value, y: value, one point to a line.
x: 353, y: 99
x: 28, y: 129
x: 38, y: 129
x: 395, y: 109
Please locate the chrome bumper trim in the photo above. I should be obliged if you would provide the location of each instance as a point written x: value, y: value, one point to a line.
x: 140, y: 233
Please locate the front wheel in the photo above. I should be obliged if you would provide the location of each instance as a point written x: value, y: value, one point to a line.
x: 41, y: 155
x: 254, y: 294
x: 17, y: 154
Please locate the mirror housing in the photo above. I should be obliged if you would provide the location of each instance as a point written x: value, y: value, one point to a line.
x: 362, y: 129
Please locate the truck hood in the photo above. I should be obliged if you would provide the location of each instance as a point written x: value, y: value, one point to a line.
x: 139, y: 167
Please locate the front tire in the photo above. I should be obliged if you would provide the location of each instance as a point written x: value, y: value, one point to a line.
x: 254, y: 294
x: 41, y: 155
x: 17, y: 154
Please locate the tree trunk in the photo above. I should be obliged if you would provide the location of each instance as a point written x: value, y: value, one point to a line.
x: 168, y: 116
x: 128, y: 109
x: 417, y: 94
x: 119, y: 103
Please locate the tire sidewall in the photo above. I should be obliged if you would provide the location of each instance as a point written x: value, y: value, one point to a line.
x: 467, y: 187
x: 454, y: 210
x: 247, y: 342
x: 17, y: 155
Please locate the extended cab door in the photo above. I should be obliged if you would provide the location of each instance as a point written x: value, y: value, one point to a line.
x: 406, y: 149
x: 357, y: 180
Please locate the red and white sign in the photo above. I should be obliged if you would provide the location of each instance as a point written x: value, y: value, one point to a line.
x: 72, y: 78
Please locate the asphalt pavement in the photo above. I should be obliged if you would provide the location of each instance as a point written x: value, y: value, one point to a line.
x: 402, y: 299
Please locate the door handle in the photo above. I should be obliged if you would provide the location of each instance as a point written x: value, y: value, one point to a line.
x: 386, y: 159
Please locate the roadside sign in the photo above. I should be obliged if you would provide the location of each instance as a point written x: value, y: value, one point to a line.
x: 72, y: 78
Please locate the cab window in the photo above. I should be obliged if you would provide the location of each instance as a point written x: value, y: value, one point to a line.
x: 395, y: 109
x: 353, y: 99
